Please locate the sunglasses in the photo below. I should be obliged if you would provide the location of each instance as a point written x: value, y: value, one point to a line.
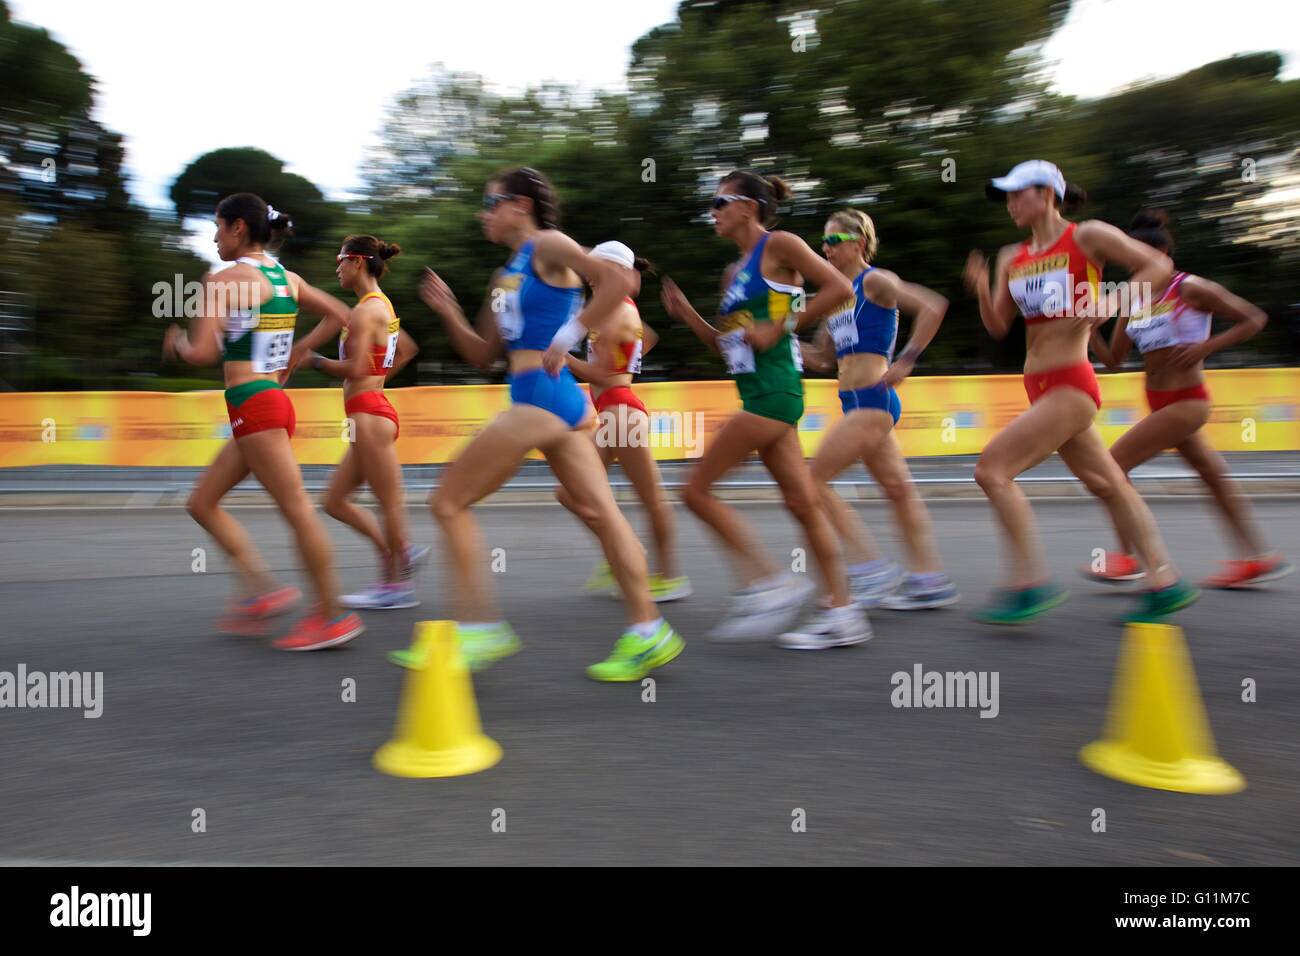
x: 721, y: 201
x: 835, y: 238
x: 350, y: 255
x: 492, y: 200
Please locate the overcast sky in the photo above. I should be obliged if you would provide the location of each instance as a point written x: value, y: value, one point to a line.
x: 157, y: 63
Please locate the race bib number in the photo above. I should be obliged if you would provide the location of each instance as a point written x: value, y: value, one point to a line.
x: 505, y: 303
x: 736, y: 352
x: 1042, y: 288
x: 271, y: 350
x: 390, y: 353
x: 844, y: 329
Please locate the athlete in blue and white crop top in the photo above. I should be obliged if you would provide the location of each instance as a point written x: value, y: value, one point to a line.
x: 532, y: 311
x: 863, y: 326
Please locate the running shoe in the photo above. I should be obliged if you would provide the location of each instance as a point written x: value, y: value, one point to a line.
x: 1247, y: 574
x: 1116, y: 568
x: 664, y: 589
x: 869, y: 587
x: 1156, y: 605
x: 922, y: 592
x: 314, y: 633
x: 830, y: 627
x: 416, y: 555
x: 634, y: 655
x: 382, y: 597
x: 760, y: 611
x: 1020, y: 605
x: 248, y: 618
x: 602, y: 579
x: 481, y: 645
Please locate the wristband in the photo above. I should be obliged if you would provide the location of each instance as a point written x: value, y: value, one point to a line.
x: 570, y: 334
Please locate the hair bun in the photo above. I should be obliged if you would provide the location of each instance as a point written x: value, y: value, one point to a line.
x: 781, y: 191
x: 1150, y: 219
x: 389, y: 249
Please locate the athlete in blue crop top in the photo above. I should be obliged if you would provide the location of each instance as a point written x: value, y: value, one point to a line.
x: 534, y: 310
x: 862, y: 333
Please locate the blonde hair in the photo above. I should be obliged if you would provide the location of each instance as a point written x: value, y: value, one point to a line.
x: 855, y: 220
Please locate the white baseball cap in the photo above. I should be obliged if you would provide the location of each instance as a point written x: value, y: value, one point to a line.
x: 615, y: 252
x: 1035, y: 172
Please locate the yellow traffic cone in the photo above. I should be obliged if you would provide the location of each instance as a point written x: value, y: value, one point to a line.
x: 438, y: 732
x: 1156, y: 733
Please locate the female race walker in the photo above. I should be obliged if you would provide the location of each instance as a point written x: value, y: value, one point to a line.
x: 251, y: 309
x: 372, y: 348
x: 1174, y: 339
x: 623, y: 431
x: 860, y: 336
x: 536, y: 301
x: 762, y: 308
x: 1052, y: 279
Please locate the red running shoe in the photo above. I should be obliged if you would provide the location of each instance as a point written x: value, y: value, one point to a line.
x: 314, y: 633
x: 1116, y: 568
x: 1247, y: 574
x: 247, y: 618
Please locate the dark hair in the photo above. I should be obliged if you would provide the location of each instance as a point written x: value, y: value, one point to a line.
x: 645, y: 267
x: 376, y: 251
x: 767, y: 191
x: 1075, y: 196
x: 266, y: 225
x: 526, y: 181
x: 1152, y: 227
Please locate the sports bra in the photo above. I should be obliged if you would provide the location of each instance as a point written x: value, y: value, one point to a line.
x: 627, y: 357
x: 264, y: 335
x: 381, y: 356
x: 531, y: 311
x: 1059, y: 282
x: 859, y: 325
x: 1171, y: 321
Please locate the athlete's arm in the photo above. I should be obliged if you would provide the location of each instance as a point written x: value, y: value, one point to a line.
x: 589, y: 371
x: 608, y: 284
x: 1149, y: 269
x: 1247, y: 319
x: 832, y: 288
x: 819, y: 356
x: 679, y: 307
x: 364, y: 325
x: 649, y: 339
x: 202, y: 344
x: 1103, y: 351
x: 927, y: 309
x: 407, y: 349
x: 997, y: 308
x: 437, y: 295
x: 334, y: 316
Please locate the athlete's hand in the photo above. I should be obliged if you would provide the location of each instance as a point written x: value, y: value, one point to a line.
x: 764, y: 335
x: 899, y: 370
x: 436, y: 294
x: 674, y: 300
x: 976, y: 274
x: 554, y: 359
x: 1188, y: 356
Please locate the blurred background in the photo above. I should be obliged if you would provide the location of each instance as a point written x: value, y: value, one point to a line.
x: 902, y: 107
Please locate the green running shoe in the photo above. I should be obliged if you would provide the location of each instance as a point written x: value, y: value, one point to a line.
x: 602, y: 579
x: 1156, y: 605
x: 635, y: 656
x: 481, y: 647
x: 1021, y: 605
x: 669, y: 589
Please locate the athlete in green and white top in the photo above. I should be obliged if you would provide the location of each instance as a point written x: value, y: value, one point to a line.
x: 762, y: 309
x: 249, y: 312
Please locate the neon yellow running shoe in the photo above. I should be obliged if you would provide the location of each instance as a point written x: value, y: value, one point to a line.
x: 481, y: 644
x: 602, y: 579
x: 669, y: 589
x: 635, y: 656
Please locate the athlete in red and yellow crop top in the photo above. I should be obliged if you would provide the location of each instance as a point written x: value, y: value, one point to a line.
x: 1053, y: 276
x: 622, y: 361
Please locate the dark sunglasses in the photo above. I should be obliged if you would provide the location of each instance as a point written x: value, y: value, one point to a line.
x: 492, y: 200
x: 720, y: 201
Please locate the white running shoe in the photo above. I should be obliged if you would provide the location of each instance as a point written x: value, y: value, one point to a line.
x: 382, y: 597
x: 831, y: 627
x: 869, y: 589
x: 760, y: 611
x: 921, y: 593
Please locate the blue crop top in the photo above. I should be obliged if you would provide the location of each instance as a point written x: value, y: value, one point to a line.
x: 863, y: 326
x: 530, y: 310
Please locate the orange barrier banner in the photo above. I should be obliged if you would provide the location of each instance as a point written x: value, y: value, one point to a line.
x: 1254, y: 410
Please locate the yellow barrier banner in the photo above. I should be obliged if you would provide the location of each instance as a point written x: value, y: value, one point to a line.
x: 1254, y: 410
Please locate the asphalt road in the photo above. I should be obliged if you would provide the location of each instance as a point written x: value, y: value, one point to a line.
x: 737, y: 739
